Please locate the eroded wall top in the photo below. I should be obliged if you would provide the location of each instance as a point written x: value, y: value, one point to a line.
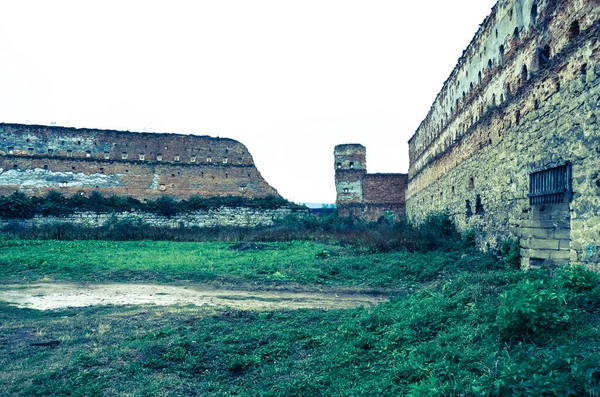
x: 516, y: 41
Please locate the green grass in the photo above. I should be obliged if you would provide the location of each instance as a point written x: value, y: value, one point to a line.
x: 300, y: 263
x: 470, y: 327
x: 443, y: 340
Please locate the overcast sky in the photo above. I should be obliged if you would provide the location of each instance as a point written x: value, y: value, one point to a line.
x: 289, y: 79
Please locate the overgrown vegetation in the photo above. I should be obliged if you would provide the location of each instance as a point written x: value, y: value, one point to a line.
x: 474, y: 328
x: 459, y: 322
x: 436, y: 233
x: 21, y: 206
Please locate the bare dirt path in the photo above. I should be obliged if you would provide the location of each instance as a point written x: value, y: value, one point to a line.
x: 46, y: 296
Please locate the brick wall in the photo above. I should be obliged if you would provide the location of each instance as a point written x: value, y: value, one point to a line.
x: 36, y: 159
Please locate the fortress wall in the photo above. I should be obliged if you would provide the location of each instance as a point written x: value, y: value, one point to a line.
x: 214, y: 217
x: 382, y: 188
x: 527, y: 114
x: 36, y: 159
x: 363, y: 195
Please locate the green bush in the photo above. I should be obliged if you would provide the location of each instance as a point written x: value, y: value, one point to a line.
x: 125, y: 229
x: 164, y: 205
x: 532, y: 308
x: 16, y: 206
x: 511, y: 254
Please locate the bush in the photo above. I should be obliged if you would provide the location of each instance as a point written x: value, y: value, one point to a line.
x: 511, y: 254
x: 532, y: 308
x: 164, y: 205
x: 125, y: 229
x: 438, y: 231
x: 16, y: 206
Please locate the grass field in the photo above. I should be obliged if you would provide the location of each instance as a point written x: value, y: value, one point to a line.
x: 291, y: 263
x: 468, y: 327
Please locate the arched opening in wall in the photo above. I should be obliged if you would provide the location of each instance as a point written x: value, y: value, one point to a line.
x: 501, y: 51
x: 471, y: 183
x: 490, y: 64
x: 534, y: 14
x: 471, y: 86
x: 452, y: 189
x: 463, y: 95
x: 573, y: 30
x: 46, y: 167
x: 493, y: 99
x: 583, y: 72
x: 516, y: 33
x: 501, y: 98
x: 536, y: 104
x: 15, y: 166
x: 524, y: 75
x: 479, y: 76
x: 338, y: 165
x: 544, y: 56
x: 351, y: 165
x: 518, y: 117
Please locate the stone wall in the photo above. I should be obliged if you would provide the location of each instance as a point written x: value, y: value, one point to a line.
x: 214, y: 217
x: 534, y: 109
x: 36, y: 159
x: 363, y: 195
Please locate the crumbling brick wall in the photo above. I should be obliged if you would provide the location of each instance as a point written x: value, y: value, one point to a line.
x: 366, y: 196
x: 36, y: 159
x: 524, y: 97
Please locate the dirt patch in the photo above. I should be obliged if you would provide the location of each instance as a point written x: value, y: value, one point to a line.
x: 59, y: 296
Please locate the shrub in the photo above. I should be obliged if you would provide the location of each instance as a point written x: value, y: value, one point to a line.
x: 438, y: 231
x: 16, y: 206
x: 125, y: 229
x: 511, y: 254
x: 532, y: 307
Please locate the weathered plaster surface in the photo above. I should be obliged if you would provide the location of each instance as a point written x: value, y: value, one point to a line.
x: 477, y: 150
x: 36, y: 159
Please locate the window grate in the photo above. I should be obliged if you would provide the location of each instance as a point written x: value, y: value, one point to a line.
x: 551, y: 185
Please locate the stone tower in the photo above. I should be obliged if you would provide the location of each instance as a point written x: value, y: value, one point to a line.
x: 350, y: 170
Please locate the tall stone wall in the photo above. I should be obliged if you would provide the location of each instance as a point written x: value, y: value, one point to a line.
x: 362, y: 195
x: 36, y: 159
x: 520, y: 107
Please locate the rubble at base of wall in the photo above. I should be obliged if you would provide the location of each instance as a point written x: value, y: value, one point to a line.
x: 214, y: 217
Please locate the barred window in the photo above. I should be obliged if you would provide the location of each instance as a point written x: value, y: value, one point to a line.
x: 551, y: 185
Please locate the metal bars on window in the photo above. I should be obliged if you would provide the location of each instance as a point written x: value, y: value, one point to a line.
x: 550, y: 186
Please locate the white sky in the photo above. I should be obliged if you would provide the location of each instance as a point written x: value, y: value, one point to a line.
x: 289, y: 79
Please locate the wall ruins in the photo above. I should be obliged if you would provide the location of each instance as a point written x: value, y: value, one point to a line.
x: 511, y: 145
x: 366, y: 196
x: 36, y: 159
